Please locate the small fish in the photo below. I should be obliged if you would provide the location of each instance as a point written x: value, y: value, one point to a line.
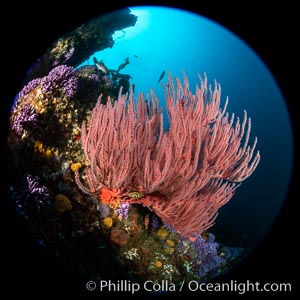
x: 100, y: 65
x: 162, y: 75
x: 135, y: 56
x: 122, y: 66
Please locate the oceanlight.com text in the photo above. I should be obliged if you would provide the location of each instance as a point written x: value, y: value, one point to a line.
x: 192, y: 286
x: 239, y: 287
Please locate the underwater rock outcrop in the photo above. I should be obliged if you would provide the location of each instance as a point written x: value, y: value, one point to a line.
x: 76, y: 46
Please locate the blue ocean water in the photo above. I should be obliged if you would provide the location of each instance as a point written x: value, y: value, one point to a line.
x: 159, y: 42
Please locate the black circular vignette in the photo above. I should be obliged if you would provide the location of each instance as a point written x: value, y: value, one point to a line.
x: 28, y: 32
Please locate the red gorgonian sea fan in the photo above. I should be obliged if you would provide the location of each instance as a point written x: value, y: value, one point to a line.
x: 184, y: 174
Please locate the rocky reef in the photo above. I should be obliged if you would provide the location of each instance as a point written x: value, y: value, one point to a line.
x: 75, y: 47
